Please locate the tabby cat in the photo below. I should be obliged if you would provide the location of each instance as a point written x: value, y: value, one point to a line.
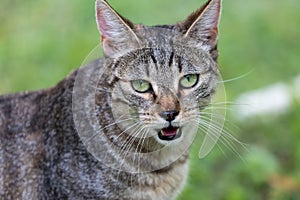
x: 119, y: 127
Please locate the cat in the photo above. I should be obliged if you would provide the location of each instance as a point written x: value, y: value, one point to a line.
x: 121, y: 126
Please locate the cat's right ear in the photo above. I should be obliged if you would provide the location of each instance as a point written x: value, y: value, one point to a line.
x: 202, y: 25
x: 117, y: 35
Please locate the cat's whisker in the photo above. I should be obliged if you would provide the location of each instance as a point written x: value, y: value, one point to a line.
x: 212, y: 116
x: 128, y: 144
x: 140, y: 146
x: 225, y: 136
x: 208, y: 116
x: 223, y: 103
x: 236, y: 78
x: 209, y: 107
x: 108, y: 90
x: 147, y: 118
x: 123, y: 159
x: 130, y: 139
x: 228, y: 103
x: 135, y: 137
x: 135, y: 125
x: 107, y: 126
x: 217, y: 108
x: 221, y: 117
x: 143, y: 137
x: 146, y: 132
x: 225, y: 133
x: 213, y: 137
x: 214, y: 107
x: 224, y: 123
x: 121, y: 150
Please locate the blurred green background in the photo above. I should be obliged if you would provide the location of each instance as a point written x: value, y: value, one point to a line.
x: 42, y: 41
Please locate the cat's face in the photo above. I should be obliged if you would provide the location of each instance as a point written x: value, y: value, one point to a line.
x: 162, y: 76
x: 162, y: 93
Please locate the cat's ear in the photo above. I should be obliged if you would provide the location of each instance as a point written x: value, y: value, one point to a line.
x: 202, y: 25
x: 117, y: 33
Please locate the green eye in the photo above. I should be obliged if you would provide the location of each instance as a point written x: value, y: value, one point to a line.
x: 189, y: 81
x: 141, y: 86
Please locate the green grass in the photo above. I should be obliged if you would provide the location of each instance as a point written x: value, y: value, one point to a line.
x: 42, y: 41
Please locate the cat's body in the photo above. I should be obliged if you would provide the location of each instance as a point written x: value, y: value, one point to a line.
x: 43, y: 155
x: 37, y: 161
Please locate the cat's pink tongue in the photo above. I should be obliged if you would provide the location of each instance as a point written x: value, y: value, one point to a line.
x: 171, y: 131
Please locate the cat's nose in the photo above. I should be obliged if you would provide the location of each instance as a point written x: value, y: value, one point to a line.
x: 169, y: 115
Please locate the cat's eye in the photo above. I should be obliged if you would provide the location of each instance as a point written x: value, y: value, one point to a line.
x: 141, y: 86
x: 189, y: 81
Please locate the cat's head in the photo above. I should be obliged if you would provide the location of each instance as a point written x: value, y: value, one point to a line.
x: 161, y: 76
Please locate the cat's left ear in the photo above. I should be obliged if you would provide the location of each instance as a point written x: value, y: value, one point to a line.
x: 117, y: 33
x: 202, y: 25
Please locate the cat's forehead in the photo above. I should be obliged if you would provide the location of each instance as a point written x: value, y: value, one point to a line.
x: 157, y: 62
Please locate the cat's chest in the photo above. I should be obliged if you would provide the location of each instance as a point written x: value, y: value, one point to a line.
x: 161, y: 186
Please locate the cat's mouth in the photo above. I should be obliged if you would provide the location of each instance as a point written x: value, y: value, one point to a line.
x: 170, y: 133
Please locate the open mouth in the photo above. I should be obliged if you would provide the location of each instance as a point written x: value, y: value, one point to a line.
x: 170, y: 133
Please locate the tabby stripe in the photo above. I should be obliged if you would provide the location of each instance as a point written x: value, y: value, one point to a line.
x: 113, y: 81
x: 171, y: 59
x: 179, y: 62
x: 154, y: 59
